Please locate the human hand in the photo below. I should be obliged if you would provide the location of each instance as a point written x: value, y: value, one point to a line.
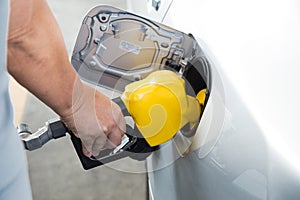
x: 95, y: 119
x: 48, y: 74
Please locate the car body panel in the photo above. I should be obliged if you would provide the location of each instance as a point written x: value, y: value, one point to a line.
x: 255, y: 48
x: 246, y: 145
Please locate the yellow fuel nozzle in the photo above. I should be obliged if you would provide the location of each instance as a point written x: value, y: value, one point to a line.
x: 160, y: 106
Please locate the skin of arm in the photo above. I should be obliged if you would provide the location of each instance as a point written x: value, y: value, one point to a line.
x: 38, y: 60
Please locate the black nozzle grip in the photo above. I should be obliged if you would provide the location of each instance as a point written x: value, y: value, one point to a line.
x: 86, y: 162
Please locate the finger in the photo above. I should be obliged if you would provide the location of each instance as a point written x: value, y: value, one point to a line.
x: 99, y: 144
x: 122, y: 125
x: 86, y: 152
x: 115, y: 137
x: 109, y: 145
x: 87, y: 143
x: 118, y: 117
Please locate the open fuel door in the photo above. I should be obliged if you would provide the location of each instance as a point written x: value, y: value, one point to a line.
x: 115, y: 48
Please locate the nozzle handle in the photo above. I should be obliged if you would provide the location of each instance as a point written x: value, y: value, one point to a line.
x: 131, y: 144
x: 88, y: 163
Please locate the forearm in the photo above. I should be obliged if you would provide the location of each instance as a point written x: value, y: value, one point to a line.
x: 37, y: 58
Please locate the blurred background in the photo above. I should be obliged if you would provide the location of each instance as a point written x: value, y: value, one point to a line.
x: 55, y: 170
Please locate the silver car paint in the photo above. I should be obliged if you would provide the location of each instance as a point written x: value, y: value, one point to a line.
x: 249, y: 158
